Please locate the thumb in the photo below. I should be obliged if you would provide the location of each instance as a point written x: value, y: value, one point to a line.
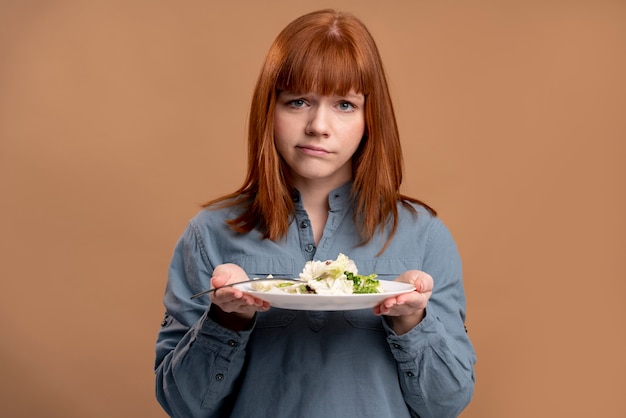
x: 218, y: 280
x: 226, y: 273
x: 423, y: 282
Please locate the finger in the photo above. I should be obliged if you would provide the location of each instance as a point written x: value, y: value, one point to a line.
x: 380, y: 310
x: 422, y: 282
x: 260, y: 303
x: 227, y: 273
x: 226, y: 295
x: 243, y: 307
x: 424, y: 287
x: 248, y: 299
x: 251, y: 300
x: 413, y: 300
x: 389, y: 302
x: 219, y: 280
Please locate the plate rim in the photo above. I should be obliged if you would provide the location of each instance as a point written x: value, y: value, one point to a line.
x: 327, y: 302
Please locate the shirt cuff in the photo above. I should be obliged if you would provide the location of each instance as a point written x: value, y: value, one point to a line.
x: 427, y: 333
x: 220, y: 340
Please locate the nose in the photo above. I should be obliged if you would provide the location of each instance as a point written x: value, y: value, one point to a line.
x: 318, y: 123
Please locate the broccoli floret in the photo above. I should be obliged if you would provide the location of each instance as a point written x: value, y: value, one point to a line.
x: 364, y: 284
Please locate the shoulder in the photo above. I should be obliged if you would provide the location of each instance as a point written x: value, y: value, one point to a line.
x: 211, y: 219
x: 418, y: 219
x: 416, y: 211
x: 219, y: 211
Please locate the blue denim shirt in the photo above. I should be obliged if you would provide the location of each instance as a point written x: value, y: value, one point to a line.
x: 314, y: 364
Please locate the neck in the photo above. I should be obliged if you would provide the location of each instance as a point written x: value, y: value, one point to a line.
x: 315, y: 201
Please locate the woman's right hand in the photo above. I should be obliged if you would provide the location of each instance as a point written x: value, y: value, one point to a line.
x: 235, y: 309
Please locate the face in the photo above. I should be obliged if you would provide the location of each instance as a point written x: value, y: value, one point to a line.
x: 317, y: 135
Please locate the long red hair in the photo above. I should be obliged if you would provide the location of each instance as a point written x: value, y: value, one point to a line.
x: 327, y: 52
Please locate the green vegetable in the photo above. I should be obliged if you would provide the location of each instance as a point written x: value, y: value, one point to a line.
x: 364, y: 284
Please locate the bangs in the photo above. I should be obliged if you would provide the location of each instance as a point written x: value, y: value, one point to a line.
x: 327, y: 66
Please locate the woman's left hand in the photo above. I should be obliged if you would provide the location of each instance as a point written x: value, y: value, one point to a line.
x: 405, y: 311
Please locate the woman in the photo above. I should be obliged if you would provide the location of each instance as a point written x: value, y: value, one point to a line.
x: 324, y: 173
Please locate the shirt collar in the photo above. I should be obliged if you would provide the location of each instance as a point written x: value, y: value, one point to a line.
x: 337, y: 198
x: 340, y: 197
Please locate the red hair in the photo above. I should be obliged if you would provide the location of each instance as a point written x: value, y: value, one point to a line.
x: 327, y: 52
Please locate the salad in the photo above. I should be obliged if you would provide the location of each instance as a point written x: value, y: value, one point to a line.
x: 331, y: 277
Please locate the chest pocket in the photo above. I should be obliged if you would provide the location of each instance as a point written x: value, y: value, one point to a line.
x: 259, y: 267
x: 364, y: 319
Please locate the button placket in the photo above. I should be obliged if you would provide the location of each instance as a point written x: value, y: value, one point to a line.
x: 305, y: 233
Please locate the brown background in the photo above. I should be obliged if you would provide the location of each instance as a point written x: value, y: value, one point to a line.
x: 117, y: 118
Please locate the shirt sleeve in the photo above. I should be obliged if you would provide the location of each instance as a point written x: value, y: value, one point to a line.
x: 198, y: 362
x: 436, y: 358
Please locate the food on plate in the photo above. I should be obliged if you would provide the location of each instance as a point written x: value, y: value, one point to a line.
x: 331, y: 277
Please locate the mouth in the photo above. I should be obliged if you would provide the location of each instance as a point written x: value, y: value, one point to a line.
x: 312, y: 150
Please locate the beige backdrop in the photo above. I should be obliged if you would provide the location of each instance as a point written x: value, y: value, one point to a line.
x: 117, y: 118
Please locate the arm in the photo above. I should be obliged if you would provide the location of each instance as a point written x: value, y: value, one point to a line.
x: 197, y: 376
x: 435, y: 356
x: 198, y: 360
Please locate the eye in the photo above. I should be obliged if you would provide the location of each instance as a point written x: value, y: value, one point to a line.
x: 346, y: 106
x: 296, y: 103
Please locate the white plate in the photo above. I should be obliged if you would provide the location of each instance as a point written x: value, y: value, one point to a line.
x: 309, y: 302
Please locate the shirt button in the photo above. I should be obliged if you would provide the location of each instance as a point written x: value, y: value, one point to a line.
x: 309, y: 248
x: 304, y: 224
x: 219, y: 377
x: 232, y: 343
x: 397, y: 346
x: 410, y: 374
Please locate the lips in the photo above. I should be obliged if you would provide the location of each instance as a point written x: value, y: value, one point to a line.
x: 312, y: 150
